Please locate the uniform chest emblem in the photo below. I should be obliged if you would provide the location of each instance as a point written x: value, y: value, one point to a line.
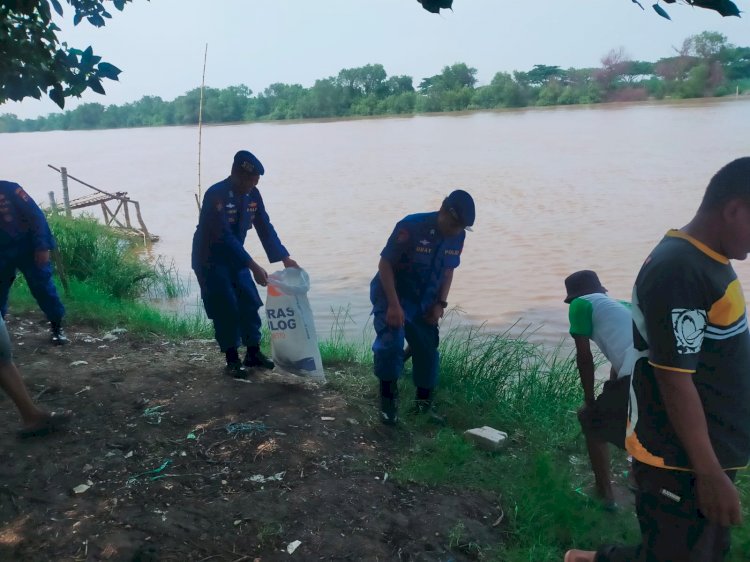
x: 230, y: 205
x: 424, y: 242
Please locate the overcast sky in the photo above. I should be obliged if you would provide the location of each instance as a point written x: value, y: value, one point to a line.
x: 159, y: 45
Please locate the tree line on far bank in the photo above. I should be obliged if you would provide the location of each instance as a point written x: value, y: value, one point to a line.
x: 706, y: 65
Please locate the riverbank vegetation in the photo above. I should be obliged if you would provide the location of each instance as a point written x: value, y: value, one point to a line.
x: 706, y: 65
x: 541, y: 481
x: 104, y: 279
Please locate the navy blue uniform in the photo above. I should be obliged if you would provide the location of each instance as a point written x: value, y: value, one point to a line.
x: 419, y: 255
x: 220, y: 261
x: 23, y: 232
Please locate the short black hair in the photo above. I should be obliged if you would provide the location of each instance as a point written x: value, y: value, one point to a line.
x: 731, y: 182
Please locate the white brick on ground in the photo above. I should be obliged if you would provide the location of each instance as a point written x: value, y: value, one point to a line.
x: 487, y: 437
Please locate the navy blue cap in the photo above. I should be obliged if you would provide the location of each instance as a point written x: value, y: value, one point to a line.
x: 461, y: 205
x: 247, y: 161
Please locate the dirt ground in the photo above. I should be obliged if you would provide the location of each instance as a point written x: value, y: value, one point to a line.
x: 151, y: 469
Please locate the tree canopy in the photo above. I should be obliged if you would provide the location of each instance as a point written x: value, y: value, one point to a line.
x: 724, y: 7
x: 705, y: 65
x: 34, y: 62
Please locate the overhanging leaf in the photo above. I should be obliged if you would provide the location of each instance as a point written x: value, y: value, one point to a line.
x: 434, y: 6
x: 109, y: 71
x: 56, y: 95
x: 96, y: 85
x: 56, y: 5
x: 661, y: 11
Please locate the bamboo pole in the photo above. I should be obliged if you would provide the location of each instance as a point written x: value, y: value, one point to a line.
x: 52, y: 202
x: 200, y: 128
x: 81, y: 181
x: 66, y: 195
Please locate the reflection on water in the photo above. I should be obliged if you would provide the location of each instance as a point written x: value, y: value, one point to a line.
x: 556, y: 190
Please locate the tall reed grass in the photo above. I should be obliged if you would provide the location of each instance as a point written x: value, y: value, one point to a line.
x: 102, y: 258
x: 109, y: 282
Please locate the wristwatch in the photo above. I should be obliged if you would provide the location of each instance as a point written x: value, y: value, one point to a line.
x: 444, y: 304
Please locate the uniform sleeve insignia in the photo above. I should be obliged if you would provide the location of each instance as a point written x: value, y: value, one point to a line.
x: 402, y: 236
x: 22, y: 194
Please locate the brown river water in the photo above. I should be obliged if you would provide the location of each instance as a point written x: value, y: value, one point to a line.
x: 556, y: 190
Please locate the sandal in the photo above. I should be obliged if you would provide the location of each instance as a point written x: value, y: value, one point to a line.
x: 55, y: 421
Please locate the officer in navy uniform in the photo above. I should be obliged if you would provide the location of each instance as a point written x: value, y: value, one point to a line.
x: 223, y: 267
x: 25, y: 245
x: 409, y: 294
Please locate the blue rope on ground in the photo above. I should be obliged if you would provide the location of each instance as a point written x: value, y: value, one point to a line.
x: 240, y: 428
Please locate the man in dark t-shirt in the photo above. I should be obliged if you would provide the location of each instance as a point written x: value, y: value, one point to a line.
x: 689, y: 421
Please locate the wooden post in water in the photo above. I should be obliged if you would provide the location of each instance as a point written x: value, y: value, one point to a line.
x: 127, y: 213
x: 140, y: 220
x: 52, y: 202
x: 66, y: 196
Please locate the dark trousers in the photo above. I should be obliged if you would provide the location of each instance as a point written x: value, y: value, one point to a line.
x: 39, y: 280
x: 231, y: 301
x: 388, y: 350
x: 672, y: 527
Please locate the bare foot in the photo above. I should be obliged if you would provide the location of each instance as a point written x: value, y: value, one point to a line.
x: 45, y: 424
x: 579, y: 556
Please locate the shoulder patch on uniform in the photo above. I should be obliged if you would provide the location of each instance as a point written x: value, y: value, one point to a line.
x: 402, y: 236
x: 22, y: 194
x: 689, y: 326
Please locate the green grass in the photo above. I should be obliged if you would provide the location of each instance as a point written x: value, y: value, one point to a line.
x: 108, y: 282
x: 109, y: 262
x: 541, y: 479
x: 89, y: 304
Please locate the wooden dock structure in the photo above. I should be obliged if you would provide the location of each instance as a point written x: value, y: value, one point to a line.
x: 103, y: 199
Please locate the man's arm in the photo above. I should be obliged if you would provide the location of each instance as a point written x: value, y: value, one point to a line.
x: 585, y: 364
x: 437, y: 309
x: 718, y: 499
x: 216, y: 229
x: 273, y: 247
x: 445, y: 287
x: 395, y: 314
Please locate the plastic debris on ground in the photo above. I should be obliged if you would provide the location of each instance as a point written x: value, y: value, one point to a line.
x: 133, y: 479
x: 242, y: 428
x: 81, y: 488
x: 292, y: 546
x: 260, y: 479
x: 153, y: 415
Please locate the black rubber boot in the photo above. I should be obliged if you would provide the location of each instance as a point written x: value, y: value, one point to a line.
x: 57, y: 334
x: 424, y: 405
x: 389, y: 402
x: 234, y: 366
x: 256, y: 358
